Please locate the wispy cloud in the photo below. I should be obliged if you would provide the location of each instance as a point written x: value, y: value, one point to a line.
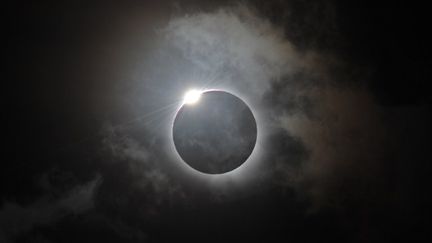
x: 16, y: 219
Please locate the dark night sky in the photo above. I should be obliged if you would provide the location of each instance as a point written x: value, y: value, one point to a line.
x: 340, y: 89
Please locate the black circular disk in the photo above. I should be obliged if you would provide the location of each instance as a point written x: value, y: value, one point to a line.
x: 215, y: 135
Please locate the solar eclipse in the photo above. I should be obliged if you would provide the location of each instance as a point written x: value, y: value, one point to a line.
x: 214, y: 131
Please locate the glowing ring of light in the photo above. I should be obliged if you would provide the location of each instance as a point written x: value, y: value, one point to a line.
x: 197, y: 94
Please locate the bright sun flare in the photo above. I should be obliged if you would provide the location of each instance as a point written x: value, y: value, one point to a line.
x: 192, y: 96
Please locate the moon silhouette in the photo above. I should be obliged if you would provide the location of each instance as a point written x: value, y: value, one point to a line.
x: 215, y: 135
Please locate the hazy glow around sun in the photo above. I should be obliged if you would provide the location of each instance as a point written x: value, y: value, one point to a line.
x: 192, y: 97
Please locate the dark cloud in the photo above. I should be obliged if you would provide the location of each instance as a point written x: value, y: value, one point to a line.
x: 16, y: 219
